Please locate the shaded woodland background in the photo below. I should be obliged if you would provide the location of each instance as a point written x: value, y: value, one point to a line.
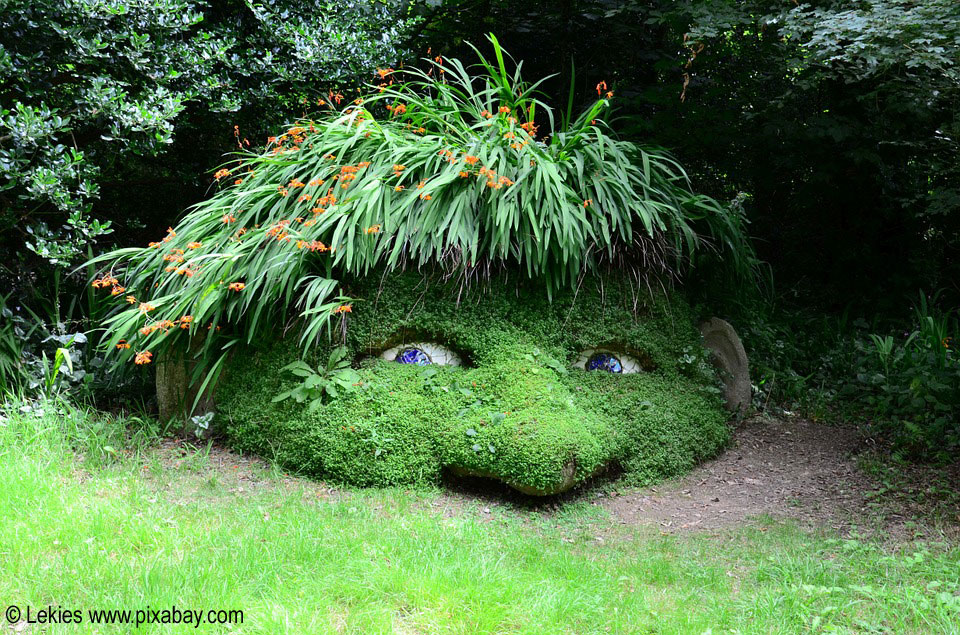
x: 834, y: 124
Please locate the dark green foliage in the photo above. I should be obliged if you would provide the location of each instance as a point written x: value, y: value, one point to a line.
x: 836, y: 120
x: 92, y: 90
x: 910, y: 385
x: 899, y: 379
x: 516, y: 410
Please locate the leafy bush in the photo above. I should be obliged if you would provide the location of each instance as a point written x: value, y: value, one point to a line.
x: 515, y: 410
x: 90, y: 86
x: 459, y: 172
x: 911, y: 384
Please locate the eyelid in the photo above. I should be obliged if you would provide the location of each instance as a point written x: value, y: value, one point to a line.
x: 438, y: 353
x: 629, y: 363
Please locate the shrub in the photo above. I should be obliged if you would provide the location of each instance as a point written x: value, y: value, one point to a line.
x: 911, y: 385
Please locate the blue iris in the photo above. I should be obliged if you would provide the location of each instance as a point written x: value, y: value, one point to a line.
x: 413, y: 356
x: 604, y: 361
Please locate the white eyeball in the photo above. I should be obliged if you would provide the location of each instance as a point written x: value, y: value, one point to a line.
x: 422, y: 354
x: 608, y: 361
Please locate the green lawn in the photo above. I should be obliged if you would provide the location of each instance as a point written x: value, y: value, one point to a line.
x: 92, y: 517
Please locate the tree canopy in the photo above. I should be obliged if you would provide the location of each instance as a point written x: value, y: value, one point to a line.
x: 93, y: 89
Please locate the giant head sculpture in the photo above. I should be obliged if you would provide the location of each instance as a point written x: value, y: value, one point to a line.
x: 499, y: 381
x: 545, y: 355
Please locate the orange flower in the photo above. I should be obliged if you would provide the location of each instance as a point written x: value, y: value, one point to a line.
x: 221, y: 173
x: 304, y: 198
x: 122, y: 344
x: 147, y: 330
x: 363, y: 164
x: 464, y: 175
x: 504, y: 109
x: 587, y: 203
x: 154, y: 244
x: 375, y: 229
x: 146, y: 307
x: 602, y: 86
x: 399, y: 168
x: 131, y: 300
x: 238, y: 182
x: 398, y: 188
x: 425, y: 197
x: 117, y: 290
x: 185, y: 321
x: 470, y: 160
x: 236, y: 286
x: 194, y: 245
x: 344, y: 308
x: 143, y: 358
x: 609, y: 94
x: 383, y: 72
x: 282, y: 190
x: 228, y: 218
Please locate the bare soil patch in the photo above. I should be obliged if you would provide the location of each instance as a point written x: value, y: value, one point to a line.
x: 791, y: 468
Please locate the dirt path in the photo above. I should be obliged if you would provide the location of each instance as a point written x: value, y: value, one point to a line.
x: 808, y: 472
x: 785, y: 468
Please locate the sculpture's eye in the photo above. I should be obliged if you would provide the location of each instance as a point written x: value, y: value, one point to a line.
x: 412, y: 356
x: 422, y: 354
x: 608, y: 361
x: 605, y: 361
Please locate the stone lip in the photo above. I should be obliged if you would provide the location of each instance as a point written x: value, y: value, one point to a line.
x: 730, y: 358
x: 567, y: 482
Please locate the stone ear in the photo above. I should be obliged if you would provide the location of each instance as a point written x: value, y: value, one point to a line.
x: 730, y: 358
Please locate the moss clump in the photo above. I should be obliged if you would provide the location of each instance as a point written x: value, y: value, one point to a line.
x: 515, y: 410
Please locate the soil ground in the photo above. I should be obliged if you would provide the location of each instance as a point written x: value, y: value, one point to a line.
x: 822, y: 477
x: 818, y: 475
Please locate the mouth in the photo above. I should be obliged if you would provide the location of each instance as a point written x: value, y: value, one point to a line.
x: 568, y: 480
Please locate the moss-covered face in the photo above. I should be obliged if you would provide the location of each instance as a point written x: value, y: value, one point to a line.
x: 535, y: 400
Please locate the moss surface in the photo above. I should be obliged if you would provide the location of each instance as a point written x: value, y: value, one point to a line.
x: 515, y: 410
